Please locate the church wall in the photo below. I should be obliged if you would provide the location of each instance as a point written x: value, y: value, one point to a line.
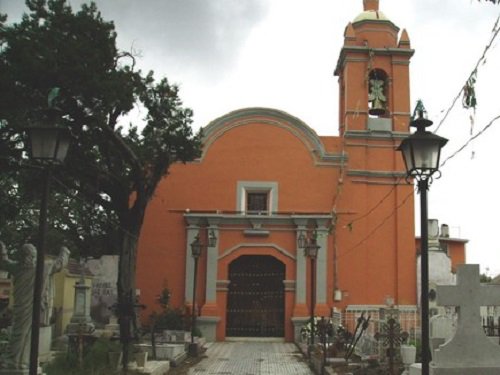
x: 371, y: 247
x: 253, y: 152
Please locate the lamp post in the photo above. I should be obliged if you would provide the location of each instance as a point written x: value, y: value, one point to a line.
x: 421, y: 153
x: 311, y: 251
x: 49, y: 145
x: 196, y: 250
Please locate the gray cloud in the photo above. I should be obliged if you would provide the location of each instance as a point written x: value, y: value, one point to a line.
x: 202, y: 36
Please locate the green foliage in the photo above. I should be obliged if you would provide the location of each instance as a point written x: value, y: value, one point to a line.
x: 484, y: 278
x: 164, y: 298
x: 68, y: 60
x: 95, y: 362
x: 168, y: 317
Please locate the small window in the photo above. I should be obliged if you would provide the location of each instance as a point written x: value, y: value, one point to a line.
x: 257, y: 201
x: 257, y: 197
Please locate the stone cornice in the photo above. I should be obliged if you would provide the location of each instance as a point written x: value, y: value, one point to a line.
x: 269, y: 116
x: 378, y: 135
x: 366, y: 50
x: 291, y: 219
x: 375, y: 174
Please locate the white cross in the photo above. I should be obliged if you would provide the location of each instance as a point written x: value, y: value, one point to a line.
x: 469, y: 295
x: 469, y: 351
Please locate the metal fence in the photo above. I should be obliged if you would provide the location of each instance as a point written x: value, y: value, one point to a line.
x: 408, y: 317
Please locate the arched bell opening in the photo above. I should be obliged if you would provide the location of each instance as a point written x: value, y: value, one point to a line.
x: 378, y: 93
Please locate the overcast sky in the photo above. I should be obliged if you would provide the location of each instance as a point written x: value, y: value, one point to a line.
x: 230, y: 54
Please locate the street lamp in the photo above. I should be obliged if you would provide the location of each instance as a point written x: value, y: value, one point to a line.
x: 421, y: 153
x: 49, y: 145
x: 311, y: 251
x: 196, y: 250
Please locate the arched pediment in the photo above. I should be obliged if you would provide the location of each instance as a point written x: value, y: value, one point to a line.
x: 247, y: 116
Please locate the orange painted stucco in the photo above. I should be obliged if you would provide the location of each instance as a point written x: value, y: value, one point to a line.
x: 355, y: 181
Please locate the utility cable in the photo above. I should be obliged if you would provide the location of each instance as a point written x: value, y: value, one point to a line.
x: 495, y: 32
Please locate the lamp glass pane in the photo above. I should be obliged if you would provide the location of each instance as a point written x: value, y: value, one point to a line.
x: 196, y: 248
x: 43, y: 143
x: 212, y: 239
x: 407, y: 156
x: 311, y: 250
x: 301, y: 241
x: 63, y: 146
x: 426, y: 154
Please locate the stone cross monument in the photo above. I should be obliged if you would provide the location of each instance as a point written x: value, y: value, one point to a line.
x: 469, y: 351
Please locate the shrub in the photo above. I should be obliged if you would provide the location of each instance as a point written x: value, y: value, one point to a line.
x: 95, y: 361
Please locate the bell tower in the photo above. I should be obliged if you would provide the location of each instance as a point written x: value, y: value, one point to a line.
x: 374, y: 113
x: 373, y: 71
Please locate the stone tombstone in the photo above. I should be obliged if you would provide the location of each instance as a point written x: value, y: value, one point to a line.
x: 469, y: 352
x: 367, y: 347
x: 104, y: 293
x: 442, y: 328
x: 51, y: 267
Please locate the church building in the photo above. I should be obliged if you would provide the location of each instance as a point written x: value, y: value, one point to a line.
x: 266, y: 185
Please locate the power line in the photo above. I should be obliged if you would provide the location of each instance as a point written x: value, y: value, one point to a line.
x: 495, y: 32
x: 382, y: 223
x: 374, y: 230
x: 486, y: 127
x: 376, y: 205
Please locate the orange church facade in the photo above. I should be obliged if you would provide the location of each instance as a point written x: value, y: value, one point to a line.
x: 265, y: 177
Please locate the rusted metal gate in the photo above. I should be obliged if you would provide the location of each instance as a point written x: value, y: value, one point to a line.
x: 256, y: 298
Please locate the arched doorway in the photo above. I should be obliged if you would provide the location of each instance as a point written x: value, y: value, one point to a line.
x: 256, y: 298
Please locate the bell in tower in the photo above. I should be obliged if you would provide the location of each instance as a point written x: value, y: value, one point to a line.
x: 377, y: 98
x: 374, y: 76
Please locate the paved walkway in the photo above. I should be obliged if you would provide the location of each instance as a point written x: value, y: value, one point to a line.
x: 251, y: 358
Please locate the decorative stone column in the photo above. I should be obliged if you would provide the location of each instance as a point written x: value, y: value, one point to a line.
x: 300, y: 315
x: 300, y: 280
x: 322, y: 308
x: 207, y: 322
x: 191, y: 232
x: 212, y: 264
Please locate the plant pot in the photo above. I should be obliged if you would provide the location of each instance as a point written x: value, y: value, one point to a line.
x: 115, y: 359
x: 194, y: 350
x: 408, y: 354
x: 141, y: 359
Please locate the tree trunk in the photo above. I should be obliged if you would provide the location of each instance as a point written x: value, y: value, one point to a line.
x: 126, y: 309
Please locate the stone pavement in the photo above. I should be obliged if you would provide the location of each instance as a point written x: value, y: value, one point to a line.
x: 251, y: 358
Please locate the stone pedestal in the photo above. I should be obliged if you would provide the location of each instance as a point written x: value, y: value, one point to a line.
x: 164, y: 351
x: 416, y: 369
x: 19, y: 372
x: 112, y: 328
x: 81, y: 322
x: 45, y: 343
x: 298, y: 324
x: 208, y: 327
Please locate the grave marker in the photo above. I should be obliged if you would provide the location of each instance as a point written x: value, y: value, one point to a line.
x: 469, y: 351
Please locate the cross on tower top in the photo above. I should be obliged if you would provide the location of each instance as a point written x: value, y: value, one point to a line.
x: 370, y: 5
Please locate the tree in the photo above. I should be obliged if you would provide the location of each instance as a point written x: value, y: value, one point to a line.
x: 484, y: 278
x: 112, y: 170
